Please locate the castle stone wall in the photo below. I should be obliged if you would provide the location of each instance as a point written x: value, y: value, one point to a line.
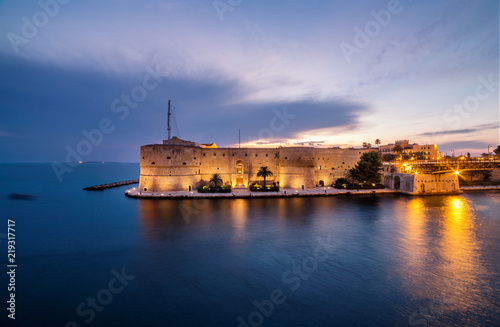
x: 176, y: 167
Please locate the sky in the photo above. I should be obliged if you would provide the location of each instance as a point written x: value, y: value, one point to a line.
x: 91, y: 79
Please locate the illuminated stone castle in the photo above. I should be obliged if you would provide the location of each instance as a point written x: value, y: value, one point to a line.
x: 179, y: 165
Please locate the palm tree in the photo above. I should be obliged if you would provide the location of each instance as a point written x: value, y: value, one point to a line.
x: 398, y: 149
x: 377, y: 142
x: 216, y: 180
x: 264, y: 172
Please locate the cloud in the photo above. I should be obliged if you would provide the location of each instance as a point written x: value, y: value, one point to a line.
x: 51, y: 106
x: 461, y: 146
x: 477, y: 128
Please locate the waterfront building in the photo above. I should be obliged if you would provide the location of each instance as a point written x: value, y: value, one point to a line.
x: 430, y: 151
x: 180, y: 165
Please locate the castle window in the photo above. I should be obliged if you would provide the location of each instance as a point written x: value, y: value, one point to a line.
x: 142, y: 157
x: 256, y: 155
x: 276, y: 155
x: 153, y: 163
x: 286, y: 158
x: 233, y: 154
x: 194, y: 158
x: 266, y: 154
x: 245, y: 154
x: 204, y: 154
x: 215, y: 154
x: 169, y: 158
x: 223, y: 154
x: 343, y: 163
x: 183, y: 163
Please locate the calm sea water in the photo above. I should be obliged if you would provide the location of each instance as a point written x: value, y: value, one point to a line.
x: 332, y: 261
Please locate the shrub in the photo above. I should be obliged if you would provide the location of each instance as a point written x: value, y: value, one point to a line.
x: 214, y: 189
x: 341, y: 183
x: 259, y: 188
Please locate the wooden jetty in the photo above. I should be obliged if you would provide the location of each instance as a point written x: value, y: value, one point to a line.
x: 110, y: 185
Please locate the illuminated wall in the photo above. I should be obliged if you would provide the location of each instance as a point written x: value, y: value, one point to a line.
x: 176, y: 167
x: 422, y: 183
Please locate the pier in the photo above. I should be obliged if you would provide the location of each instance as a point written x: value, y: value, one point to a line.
x: 110, y: 185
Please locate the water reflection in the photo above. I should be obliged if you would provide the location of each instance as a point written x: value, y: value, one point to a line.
x: 441, y: 253
x: 415, y: 252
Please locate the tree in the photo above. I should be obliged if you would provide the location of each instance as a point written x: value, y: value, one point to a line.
x: 487, y: 175
x: 497, y: 151
x: 397, y: 149
x: 368, y: 168
x: 216, y: 180
x: 388, y: 157
x: 367, y: 145
x: 419, y: 155
x: 377, y: 142
x: 352, y: 174
x: 473, y: 173
x: 264, y: 172
x: 405, y: 156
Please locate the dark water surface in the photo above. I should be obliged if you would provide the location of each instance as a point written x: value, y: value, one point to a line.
x: 330, y: 261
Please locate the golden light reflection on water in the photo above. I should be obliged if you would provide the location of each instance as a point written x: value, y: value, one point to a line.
x: 414, y: 241
x: 441, y: 252
x: 239, y: 218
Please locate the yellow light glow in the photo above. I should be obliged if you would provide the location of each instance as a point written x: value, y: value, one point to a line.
x: 457, y: 172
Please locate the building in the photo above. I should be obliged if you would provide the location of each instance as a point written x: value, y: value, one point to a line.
x: 430, y: 151
x: 179, y: 165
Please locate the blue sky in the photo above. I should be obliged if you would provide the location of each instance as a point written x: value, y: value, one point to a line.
x: 325, y: 73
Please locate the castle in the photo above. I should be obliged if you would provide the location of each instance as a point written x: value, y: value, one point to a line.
x: 179, y: 165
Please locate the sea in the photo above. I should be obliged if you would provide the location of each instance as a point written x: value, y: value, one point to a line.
x: 102, y: 259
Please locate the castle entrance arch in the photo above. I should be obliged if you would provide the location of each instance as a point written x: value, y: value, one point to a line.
x: 239, y: 173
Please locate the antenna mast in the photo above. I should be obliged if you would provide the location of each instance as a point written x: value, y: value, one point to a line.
x: 168, y: 128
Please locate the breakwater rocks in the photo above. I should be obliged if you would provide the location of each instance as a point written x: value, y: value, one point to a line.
x: 110, y: 185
